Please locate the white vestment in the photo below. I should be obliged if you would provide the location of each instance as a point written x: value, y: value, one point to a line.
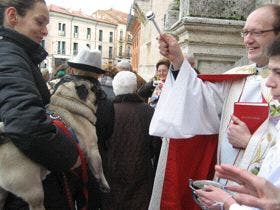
x: 189, y: 106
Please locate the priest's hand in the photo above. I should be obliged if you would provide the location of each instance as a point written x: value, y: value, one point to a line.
x: 238, y: 133
x: 169, y: 47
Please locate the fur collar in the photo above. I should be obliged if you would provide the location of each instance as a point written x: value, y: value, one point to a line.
x: 100, y: 95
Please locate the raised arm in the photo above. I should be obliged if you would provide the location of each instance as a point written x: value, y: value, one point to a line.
x: 169, y: 47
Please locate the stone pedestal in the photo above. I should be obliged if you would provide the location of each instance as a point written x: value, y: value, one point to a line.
x: 215, y: 44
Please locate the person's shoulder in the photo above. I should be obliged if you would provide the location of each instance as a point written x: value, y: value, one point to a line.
x: 247, y: 69
x: 13, y: 55
x: 10, y: 48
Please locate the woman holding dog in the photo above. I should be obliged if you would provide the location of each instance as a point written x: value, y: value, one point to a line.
x: 24, y: 94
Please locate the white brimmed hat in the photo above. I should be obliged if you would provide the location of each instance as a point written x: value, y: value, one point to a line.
x: 124, y: 82
x: 87, y: 60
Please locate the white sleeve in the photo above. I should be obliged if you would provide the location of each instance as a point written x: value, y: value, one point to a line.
x: 236, y: 206
x: 188, y: 106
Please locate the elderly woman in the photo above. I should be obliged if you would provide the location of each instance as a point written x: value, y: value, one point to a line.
x: 129, y: 168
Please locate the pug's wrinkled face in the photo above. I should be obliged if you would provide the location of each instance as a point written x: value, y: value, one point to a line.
x: 77, y: 89
x: 84, y: 90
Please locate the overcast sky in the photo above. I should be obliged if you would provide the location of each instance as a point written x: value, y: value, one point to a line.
x: 89, y: 6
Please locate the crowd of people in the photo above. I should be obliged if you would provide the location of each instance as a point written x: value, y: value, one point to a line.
x: 152, y: 136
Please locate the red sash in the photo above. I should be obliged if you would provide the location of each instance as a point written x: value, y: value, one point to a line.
x: 192, y: 158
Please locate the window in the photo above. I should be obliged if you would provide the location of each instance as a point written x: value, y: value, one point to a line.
x: 128, y: 51
x: 61, y: 29
x: 75, y: 48
x: 61, y: 47
x: 100, y: 48
x: 110, y: 52
x: 88, y: 33
x: 76, y: 31
x: 111, y: 37
x: 120, y: 50
x: 129, y: 38
x: 121, y: 35
x: 100, y: 38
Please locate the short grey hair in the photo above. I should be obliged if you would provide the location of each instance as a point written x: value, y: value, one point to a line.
x: 124, y: 64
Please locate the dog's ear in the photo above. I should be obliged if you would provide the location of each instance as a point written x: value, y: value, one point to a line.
x: 82, y: 91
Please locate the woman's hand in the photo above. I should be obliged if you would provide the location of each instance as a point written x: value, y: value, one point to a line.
x: 214, y: 197
x: 252, y: 190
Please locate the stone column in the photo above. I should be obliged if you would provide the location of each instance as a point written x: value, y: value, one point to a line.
x: 172, y: 14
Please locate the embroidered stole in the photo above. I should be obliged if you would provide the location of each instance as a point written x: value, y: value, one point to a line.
x: 252, y: 156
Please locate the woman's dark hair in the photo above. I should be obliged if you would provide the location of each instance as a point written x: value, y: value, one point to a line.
x: 163, y: 61
x: 22, y: 6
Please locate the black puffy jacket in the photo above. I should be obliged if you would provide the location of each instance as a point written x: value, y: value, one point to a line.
x: 23, y: 96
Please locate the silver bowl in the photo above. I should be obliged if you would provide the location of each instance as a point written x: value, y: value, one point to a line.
x: 199, y: 184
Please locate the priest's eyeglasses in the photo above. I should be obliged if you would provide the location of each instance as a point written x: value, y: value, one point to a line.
x: 256, y: 33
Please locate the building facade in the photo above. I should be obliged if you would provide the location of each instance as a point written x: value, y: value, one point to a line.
x: 145, y: 46
x: 71, y: 30
x: 123, y: 37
